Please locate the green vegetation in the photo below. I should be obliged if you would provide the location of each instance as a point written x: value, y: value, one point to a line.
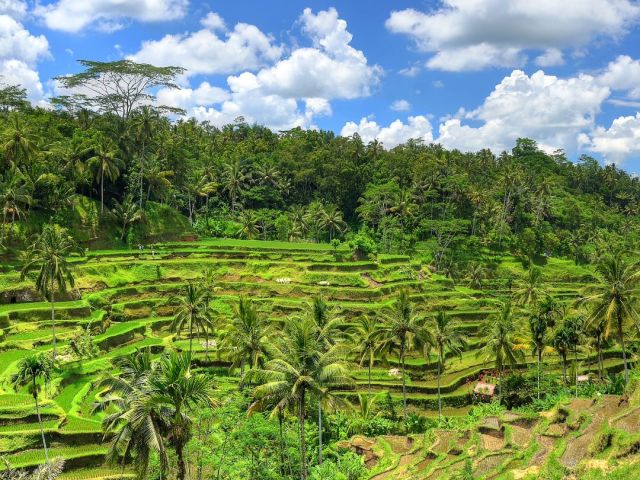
x: 181, y: 301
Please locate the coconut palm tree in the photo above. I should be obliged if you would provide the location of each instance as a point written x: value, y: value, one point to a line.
x: 561, y: 343
x: 47, y: 255
x: 15, y: 197
x: 531, y: 291
x: 502, y: 345
x: 127, y: 213
x: 402, y: 332
x: 30, y: 371
x: 302, y: 365
x: 366, y: 336
x: 192, y: 312
x: 233, y: 181
x: 333, y: 221
x: 249, y: 336
x: 248, y: 225
x: 19, y: 142
x: 106, y: 163
x: 447, y: 337
x: 177, y: 392
x: 540, y: 323
x: 135, y: 425
x: 612, y: 299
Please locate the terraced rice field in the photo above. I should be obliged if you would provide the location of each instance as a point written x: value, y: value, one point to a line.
x: 126, y: 297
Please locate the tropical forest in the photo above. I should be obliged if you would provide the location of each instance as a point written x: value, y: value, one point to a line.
x: 186, y: 300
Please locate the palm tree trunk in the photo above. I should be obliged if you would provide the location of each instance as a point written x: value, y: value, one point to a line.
x: 280, y: 420
x: 575, y: 365
x: 53, y: 319
x: 191, y: 337
x: 564, y: 368
x: 369, y: 376
x: 181, y: 465
x: 102, y: 191
x: 303, y: 445
x: 404, y: 383
x: 624, y: 352
x: 44, y: 443
x: 319, y: 431
x: 439, y: 397
x: 539, y: 367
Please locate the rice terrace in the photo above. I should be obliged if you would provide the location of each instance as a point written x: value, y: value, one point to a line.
x: 319, y: 242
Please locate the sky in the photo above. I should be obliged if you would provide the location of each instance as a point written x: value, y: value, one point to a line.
x: 468, y: 74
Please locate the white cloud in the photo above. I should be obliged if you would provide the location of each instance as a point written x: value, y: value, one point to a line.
x: 332, y: 68
x: 16, y: 72
x: 619, y: 141
x: 13, y: 8
x: 107, y: 15
x: 19, y: 53
x: 213, y: 21
x: 289, y: 93
x: 412, y: 71
x: 204, y: 52
x: 549, y: 109
x: 473, y: 34
x: 623, y: 74
x: 394, y: 134
x: 400, y: 105
x: 550, y: 58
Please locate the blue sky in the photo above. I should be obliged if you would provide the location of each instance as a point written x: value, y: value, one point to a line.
x: 465, y: 73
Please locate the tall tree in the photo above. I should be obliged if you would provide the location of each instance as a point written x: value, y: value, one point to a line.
x: 365, y: 335
x: 192, y: 312
x: 48, y: 256
x: 447, y: 337
x: 249, y: 336
x: 502, y: 344
x: 301, y: 366
x: 118, y: 88
x: 403, y: 332
x: 613, y: 299
x: 127, y: 213
x: 531, y: 290
x: 30, y: 371
x: 106, y: 163
x: 540, y: 323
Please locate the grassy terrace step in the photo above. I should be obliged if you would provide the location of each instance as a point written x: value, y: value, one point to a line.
x: 90, y: 453
x: 99, y: 473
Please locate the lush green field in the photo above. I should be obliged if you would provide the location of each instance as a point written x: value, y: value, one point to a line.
x: 127, y: 296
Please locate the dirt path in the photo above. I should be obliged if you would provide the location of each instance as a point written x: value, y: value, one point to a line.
x: 578, y: 448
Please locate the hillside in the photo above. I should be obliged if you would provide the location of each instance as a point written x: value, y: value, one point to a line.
x: 125, y: 298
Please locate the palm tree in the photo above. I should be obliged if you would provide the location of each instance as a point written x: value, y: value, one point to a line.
x: 249, y: 336
x: 325, y: 319
x: 176, y: 391
x: 233, y: 181
x: 18, y: 141
x: 531, y: 290
x: 502, y: 347
x: 126, y: 213
x: 365, y: 335
x: 248, y: 225
x: 15, y: 196
x: 48, y: 255
x: 612, y: 299
x: 539, y: 324
x: 446, y: 337
x: 332, y: 221
x: 192, y: 312
x: 299, y: 226
x: 561, y: 343
x: 135, y: 424
x: 302, y: 365
x: 106, y: 162
x: 575, y: 331
x: 30, y: 370
x: 476, y: 274
x: 403, y: 331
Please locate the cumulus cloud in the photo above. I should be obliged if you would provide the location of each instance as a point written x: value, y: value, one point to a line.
x: 205, y: 52
x: 13, y: 8
x: 550, y: 58
x: 19, y: 53
x: 472, y: 35
x: 619, y: 141
x: 289, y: 92
x: 107, y: 15
x: 331, y: 68
x: 394, y: 134
x: 551, y: 110
x: 623, y: 74
x: 400, y: 105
